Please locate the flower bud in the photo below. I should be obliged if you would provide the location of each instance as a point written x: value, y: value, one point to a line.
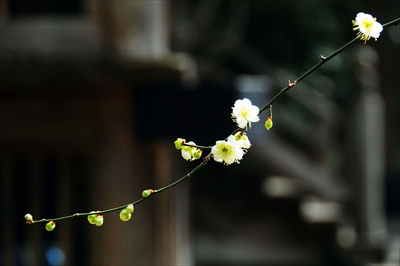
x: 29, y: 218
x: 50, y: 226
x: 178, y: 143
x: 124, y: 215
x: 99, y: 220
x: 269, y: 123
x: 242, y: 139
x: 238, y: 135
x: 92, y: 218
x: 146, y: 193
x: 130, y: 208
x: 197, y: 154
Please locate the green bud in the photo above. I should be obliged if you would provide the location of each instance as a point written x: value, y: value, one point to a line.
x: 50, y: 226
x: 197, y: 154
x: 178, y: 143
x: 92, y: 218
x: 269, y: 123
x: 99, y: 220
x: 130, y: 208
x: 29, y: 218
x: 146, y: 193
x: 238, y: 136
x: 124, y: 215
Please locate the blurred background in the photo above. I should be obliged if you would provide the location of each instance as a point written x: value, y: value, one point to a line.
x: 93, y: 94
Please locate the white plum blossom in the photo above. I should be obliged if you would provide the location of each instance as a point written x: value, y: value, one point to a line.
x: 244, y: 112
x: 367, y: 26
x: 190, y: 153
x: 228, y: 152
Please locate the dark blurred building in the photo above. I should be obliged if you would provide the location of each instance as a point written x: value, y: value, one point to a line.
x: 93, y: 94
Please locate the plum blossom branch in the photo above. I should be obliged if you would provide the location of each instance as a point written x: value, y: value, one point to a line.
x: 233, y: 147
x: 196, y: 146
x: 391, y: 23
x: 319, y: 64
x: 307, y: 73
x: 145, y: 195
